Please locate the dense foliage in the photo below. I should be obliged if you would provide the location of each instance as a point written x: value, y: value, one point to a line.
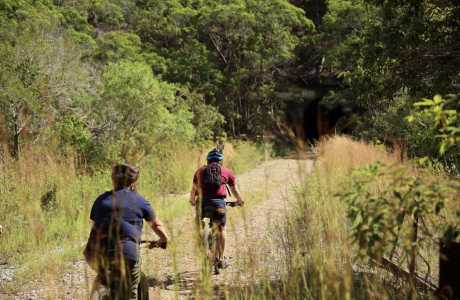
x: 218, y: 68
x: 390, y: 55
x: 112, y: 78
x: 438, y: 124
x: 388, y: 204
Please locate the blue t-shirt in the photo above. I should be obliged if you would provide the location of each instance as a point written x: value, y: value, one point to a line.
x: 127, y: 209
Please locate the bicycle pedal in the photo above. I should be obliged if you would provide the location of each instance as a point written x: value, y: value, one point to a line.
x: 223, y: 264
x: 216, y: 271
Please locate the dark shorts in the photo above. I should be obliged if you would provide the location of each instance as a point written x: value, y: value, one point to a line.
x: 215, y: 210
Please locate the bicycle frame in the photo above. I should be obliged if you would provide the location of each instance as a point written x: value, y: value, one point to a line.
x: 101, y: 292
x: 211, y: 239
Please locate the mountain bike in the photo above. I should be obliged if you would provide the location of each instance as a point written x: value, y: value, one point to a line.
x: 211, y: 241
x: 100, y: 291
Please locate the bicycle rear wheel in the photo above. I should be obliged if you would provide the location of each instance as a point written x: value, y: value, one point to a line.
x: 213, y: 248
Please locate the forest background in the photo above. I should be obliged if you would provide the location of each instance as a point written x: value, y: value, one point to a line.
x: 109, y: 79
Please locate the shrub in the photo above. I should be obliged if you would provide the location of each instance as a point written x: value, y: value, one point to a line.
x: 388, y: 204
x: 438, y: 121
x: 137, y: 112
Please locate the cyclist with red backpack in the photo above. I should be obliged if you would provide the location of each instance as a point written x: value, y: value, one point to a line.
x: 210, y: 186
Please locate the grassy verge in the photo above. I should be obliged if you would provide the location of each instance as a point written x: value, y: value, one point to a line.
x: 318, y: 254
x: 323, y: 248
x: 319, y: 235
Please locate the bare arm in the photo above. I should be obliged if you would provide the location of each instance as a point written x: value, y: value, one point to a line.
x: 236, y: 193
x: 194, y: 194
x: 159, y: 230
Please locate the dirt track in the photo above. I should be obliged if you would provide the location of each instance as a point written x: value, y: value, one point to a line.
x: 251, y: 247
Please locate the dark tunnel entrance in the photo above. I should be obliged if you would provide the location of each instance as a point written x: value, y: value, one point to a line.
x: 310, y: 121
x: 319, y: 121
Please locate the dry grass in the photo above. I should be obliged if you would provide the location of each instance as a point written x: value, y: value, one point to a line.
x: 320, y: 256
x: 317, y: 239
x: 314, y: 238
x: 341, y: 153
x: 45, y: 202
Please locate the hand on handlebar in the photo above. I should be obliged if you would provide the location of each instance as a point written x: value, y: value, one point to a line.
x: 163, y: 244
x: 234, y: 203
x: 240, y: 202
x: 158, y: 244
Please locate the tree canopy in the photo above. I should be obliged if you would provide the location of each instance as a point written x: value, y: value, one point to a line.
x: 197, y: 70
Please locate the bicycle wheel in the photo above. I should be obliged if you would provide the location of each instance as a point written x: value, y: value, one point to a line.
x: 101, y: 294
x: 143, y: 288
x: 206, y: 233
x: 213, y: 245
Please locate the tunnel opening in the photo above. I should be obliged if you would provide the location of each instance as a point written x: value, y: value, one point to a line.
x: 310, y: 122
x: 306, y: 123
x: 308, y: 116
x: 319, y: 121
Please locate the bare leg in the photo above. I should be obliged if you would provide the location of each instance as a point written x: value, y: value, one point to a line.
x: 221, y: 242
x: 94, y: 288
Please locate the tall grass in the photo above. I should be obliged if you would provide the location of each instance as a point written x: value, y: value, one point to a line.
x: 319, y: 256
x: 313, y: 239
x: 45, y: 201
x: 320, y: 259
x: 44, y: 205
x: 243, y: 156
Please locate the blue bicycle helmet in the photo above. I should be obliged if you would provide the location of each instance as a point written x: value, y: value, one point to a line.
x: 215, y: 155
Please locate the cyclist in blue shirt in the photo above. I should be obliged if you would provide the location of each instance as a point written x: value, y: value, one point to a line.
x: 118, y: 217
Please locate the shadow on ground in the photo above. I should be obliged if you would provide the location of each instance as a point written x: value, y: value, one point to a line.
x: 190, y: 285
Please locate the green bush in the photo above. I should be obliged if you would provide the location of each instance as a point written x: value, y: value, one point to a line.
x: 138, y: 112
x: 248, y: 155
x: 117, y: 45
x: 106, y: 13
x: 75, y: 137
x: 74, y: 19
x: 438, y: 121
x: 399, y: 211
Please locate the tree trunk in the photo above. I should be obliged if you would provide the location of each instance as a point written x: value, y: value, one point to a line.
x: 413, y: 259
x: 16, y: 135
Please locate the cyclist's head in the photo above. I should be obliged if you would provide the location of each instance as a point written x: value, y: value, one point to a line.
x: 215, y: 155
x: 124, y: 175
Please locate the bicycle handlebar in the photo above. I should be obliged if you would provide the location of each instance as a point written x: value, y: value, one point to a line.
x: 153, y: 244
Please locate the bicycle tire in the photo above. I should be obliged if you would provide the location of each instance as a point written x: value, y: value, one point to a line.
x: 143, y: 288
x: 213, y: 249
